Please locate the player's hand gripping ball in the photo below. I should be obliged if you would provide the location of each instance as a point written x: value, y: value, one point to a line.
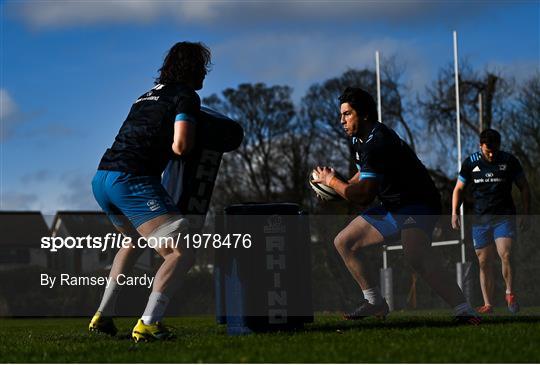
x: 323, y: 191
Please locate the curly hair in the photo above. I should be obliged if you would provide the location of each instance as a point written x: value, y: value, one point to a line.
x: 185, y: 61
x: 361, y: 101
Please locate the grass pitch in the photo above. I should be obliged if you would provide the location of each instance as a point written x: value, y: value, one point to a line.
x: 402, y: 337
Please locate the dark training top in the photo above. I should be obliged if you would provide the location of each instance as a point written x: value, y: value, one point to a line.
x: 403, y: 179
x: 143, y: 145
x: 491, y: 182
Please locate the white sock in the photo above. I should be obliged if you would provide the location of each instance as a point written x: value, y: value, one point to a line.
x: 508, y: 291
x: 108, y: 301
x: 155, y: 309
x: 464, y: 309
x: 373, y: 295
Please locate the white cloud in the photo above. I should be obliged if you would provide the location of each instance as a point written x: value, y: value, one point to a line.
x: 7, y: 104
x: 9, y: 115
x: 48, y: 13
x: 77, y: 193
x: 12, y: 119
x: 18, y: 201
x: 79, y: 13
x: 38, y: 176
x: 299, y: 60
x: 48, y: 192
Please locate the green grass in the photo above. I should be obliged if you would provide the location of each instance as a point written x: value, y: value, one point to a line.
x: 402, y: 337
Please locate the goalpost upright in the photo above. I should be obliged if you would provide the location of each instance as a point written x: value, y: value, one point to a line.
x: 458, y: 129
x: 378, y: 73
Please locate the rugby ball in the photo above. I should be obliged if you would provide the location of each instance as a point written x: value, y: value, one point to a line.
x: 324, y: 192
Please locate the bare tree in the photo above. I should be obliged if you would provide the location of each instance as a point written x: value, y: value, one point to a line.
x: 438, y: 108
x: 522, y: 133
x: 272, y: 162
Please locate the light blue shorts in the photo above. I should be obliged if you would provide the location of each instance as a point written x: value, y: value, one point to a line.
x: 486, y: 233
x: 139, y: 198
x: 390, y: 225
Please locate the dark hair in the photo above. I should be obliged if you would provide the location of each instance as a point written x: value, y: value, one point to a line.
x: 490, y: 137
x: 361, y: 101
x: 184, y: 62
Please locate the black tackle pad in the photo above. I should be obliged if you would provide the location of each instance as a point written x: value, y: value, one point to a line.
x: 190, y: 179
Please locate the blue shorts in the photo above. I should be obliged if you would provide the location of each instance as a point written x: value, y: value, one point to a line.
x: 486, y: 233
x: 390, y: 224
x: 139, y: 198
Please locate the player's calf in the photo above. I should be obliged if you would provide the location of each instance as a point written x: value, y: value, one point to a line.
x: 177, y: 262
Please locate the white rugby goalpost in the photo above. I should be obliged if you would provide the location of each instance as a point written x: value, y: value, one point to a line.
x: 386, y: 277
x: 378, y: 73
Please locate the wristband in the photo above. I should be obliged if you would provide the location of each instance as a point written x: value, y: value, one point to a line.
x: 183, y: 117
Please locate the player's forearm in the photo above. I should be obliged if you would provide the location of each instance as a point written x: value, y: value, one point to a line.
x: 184, y: 137
x: 182, y: 146
x: 351, y: 192
x: 457, y: 197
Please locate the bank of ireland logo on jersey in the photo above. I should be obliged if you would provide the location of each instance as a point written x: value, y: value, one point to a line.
x: 153, y: 205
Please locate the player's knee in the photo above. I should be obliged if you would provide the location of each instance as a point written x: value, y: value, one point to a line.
x: 505, y: 256
x: 167, y: 237
x: 342, y: 243
x: 339, y: 243
x: 345, y: 245
x: 484, y: 262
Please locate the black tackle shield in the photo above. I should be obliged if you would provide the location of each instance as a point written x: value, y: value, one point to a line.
x: 190, y: 180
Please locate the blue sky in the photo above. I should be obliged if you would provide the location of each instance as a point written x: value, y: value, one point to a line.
x: 71, y: 69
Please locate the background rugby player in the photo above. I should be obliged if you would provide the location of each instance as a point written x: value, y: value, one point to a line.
x: 410, y: 207
x: 127, y: 185
x: 490, y: 174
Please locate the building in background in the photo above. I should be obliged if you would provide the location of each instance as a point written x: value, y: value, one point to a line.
x: 20, y: 239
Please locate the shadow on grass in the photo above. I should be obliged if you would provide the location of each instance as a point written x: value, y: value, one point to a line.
x: 398, y: 322
x: 412, y: 322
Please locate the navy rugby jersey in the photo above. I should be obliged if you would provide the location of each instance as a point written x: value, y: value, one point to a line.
x: 402, y: 178
x: 143, y: 145
x: 491, y: 182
